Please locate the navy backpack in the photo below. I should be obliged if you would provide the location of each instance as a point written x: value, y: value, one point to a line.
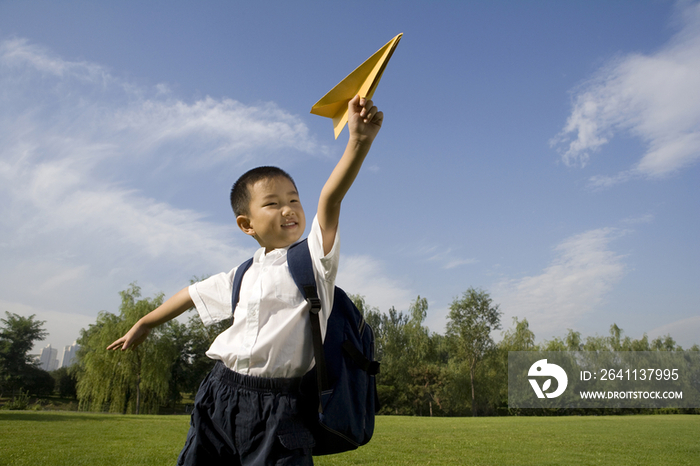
x: 344, y: 395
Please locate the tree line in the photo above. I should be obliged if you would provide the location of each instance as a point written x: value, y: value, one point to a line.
x: 463, y: 372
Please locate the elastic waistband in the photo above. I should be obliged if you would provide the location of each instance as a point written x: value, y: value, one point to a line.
x: 235, y: 379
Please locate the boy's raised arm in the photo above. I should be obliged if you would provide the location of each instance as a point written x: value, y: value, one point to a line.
x: 364, y: 122
x: 173, y: 307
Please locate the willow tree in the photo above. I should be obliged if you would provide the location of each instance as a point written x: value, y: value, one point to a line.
x: 131, y: 381
x: 470, y: 323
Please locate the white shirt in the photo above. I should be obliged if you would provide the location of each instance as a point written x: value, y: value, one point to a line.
x: 271, y: 332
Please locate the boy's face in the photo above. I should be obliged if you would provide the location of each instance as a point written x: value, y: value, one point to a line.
x: 276, y: 218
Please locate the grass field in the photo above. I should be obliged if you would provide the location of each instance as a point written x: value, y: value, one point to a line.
x: 65, y: 438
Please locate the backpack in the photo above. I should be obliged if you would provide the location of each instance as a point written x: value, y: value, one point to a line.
x: 340, y: 391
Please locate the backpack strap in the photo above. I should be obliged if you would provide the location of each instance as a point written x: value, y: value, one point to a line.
x: 371, y: 367
x: 302, y: 270
x: 236, y: 287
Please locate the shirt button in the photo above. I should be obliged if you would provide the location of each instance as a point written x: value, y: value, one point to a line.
x: 264, y: 269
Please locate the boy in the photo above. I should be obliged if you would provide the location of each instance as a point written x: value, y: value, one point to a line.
x: 247, y: 409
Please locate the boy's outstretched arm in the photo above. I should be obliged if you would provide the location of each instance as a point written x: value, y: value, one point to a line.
x: 173, y: 307
x: 364, y: 122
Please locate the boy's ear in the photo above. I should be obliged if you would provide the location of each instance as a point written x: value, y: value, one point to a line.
x: 244, y: 224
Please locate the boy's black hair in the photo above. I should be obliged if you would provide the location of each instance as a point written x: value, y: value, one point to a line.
x: 240, y: 193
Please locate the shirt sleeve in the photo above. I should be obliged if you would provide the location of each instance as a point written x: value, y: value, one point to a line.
x: 212, y: 297
x: 326, y: 266
x: 325, y: 270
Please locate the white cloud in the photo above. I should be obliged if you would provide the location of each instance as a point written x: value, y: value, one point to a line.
x: 654, y: 97
x: 637, y: 220
x: 77, y: 221
x: 437, y: 318
x: 571, y: 286
x: 19, y: 56
x: 81, y: 104
x: 366, y: 276
x: 449, y: 259
x: 686, y: 332
x: 64, y: 327
x: 212, y: 131
x: 446, y: 256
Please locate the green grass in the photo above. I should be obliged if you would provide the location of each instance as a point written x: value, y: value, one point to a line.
x: 60, y: 438
x: 571, y: 440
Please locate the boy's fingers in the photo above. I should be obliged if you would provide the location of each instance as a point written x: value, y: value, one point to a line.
x: 370, y: 114
x: 378, y: 118
x: 367, y: 106
x: 115, y: 345
x: 119, y: 344
x: 366, y: 109
x: 360, y: 104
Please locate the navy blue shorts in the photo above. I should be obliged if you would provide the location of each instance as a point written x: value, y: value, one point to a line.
x: 244, y: 420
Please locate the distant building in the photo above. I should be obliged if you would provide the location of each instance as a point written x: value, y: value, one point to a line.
x: 68, y: 355
x: 49, y: 360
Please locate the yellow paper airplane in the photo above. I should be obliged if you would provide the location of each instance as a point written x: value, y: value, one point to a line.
x: 363, y: 81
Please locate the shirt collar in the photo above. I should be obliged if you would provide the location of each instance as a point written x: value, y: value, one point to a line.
x: 260, y: 255
x: 280, y: 253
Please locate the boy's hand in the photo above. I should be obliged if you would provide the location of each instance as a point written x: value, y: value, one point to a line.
x: 364, y: 120
x: 133, y: 338
x: 170, y: 309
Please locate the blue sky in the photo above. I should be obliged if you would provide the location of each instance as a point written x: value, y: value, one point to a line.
x: 544, y: 151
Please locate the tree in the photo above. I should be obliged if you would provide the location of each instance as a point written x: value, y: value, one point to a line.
x: 193, y: 361
x: 125, y: 381
x: 666, y: 343
x: 396, y: 353
x: 193, y: 365
x: 65, y: 382
x: 519, y: 339
x: 415, y: 377
x: 17, y: 337
x: 470, y: 323
x: 428, y: 382
x: 38, y: 382
x: 425, y: 375
x: 391, y: 345
x: 572, y: 342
